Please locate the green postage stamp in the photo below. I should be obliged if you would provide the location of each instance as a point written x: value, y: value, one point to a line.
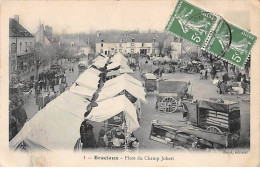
x: 211, y: 33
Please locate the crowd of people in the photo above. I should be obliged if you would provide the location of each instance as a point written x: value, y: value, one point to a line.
x: 111, y: 137
x: 17, y: 117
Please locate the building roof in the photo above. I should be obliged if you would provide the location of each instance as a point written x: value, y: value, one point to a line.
x: 47, y: 36
x: 138, y: 37
x: 17, y: 30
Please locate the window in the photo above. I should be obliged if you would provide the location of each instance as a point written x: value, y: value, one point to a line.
x: 132, y: 44
x: 148, y: 50
x: 115, y: 50
x: 133, y: 40
x: 142, y: 44
x: 120, y: 45
x: 101, y: 50
x: 102, y: 40
x: 121, y: 40
x: 13, y: 48
x: 112, y: 48
x: 120, y: 50
x: 153, y: 51
x: 132, y: 51
x: 102, y: 45
x: 21, y: 46
x: 153, y: 39
x: 26, y: 47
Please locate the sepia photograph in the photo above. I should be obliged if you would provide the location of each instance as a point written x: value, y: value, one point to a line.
x: 109, y: 77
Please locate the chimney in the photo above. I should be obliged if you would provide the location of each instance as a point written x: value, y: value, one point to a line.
x: 16, y: 18
x: 98, y: 34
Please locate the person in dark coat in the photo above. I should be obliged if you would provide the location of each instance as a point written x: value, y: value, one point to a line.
x: 46, y: 99
x: 39, y: 101
x: 244, y: 83
x: 22, y: 116
x: 62, y: 88
x: 239, y: 77
x: 213, y: 72
x: 101, y: 142
x: 13, y: 127
x: 52, y: 84
x: 86, y: 135
x: 225, y: 78
x: 37, y: 92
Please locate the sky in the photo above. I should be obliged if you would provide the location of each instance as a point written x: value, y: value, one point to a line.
x: 90, y: 16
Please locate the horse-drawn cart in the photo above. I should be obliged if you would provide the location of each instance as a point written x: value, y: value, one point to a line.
x: 210, y: 124
x: 170, y: 94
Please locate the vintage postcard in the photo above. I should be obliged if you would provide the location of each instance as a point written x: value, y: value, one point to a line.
x: 129, y: 83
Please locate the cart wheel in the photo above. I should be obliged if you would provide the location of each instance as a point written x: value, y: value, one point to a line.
x: 214, y: 129
x: 171, y: 104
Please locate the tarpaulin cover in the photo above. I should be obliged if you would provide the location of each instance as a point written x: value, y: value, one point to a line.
x: 150, y: 76
x: 104, y: 111
x: 122, y: 71
x: 166, y: 86
x: 57, y: 125
x: 122, y: 78
x: 118, y: 57
x: 121, y: 64
x: 89, y: 79
x: 111, y: 91
x: 84, y: 91
x: 100, y: 61
x: 226, y: 107
x: 113, y: 73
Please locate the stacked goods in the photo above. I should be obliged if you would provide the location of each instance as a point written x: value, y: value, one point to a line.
x: 225, y: 116
x: 219, y: 119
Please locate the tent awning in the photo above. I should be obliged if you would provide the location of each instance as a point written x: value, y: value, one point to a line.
x: 150, y: 76
x: 111, y: 91
x: 89, y: 79
x: 104, y: 111
x: 84, y: 91
x: 122, y: 71
x: 113, y: 73
x: 122, y: 78
x: 57, y: 125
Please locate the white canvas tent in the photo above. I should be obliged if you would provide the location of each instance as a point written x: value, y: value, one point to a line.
x: 111, y: 91
x: 100, y: 62
x: 115, y: 64
x: 118, y: 57
x: 89, y: 79
x: 150, y: 76
x: 104, y: 111
x: 122, y: 78
x: 85, y: 92
x: 56, y: 126
x: 122, y: 71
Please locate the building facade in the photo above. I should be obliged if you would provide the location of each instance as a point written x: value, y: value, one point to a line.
x: 127, y: 44
x: 44, y: 35
x: 20, y: 43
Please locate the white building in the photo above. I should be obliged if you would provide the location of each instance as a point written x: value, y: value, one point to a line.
x: 127, y: 44
x: 44, y: 35
x: 20, y: 41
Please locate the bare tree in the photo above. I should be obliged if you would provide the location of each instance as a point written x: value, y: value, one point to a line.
x: 41, y: 55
